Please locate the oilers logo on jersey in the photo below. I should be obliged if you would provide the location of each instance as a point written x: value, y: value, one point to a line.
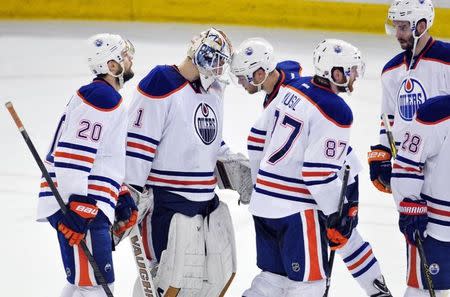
x: 410, y: 96
x: 205, y: 122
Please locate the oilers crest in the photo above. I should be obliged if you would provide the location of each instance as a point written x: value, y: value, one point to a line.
x: 205, y: 122
x: 410, y: 96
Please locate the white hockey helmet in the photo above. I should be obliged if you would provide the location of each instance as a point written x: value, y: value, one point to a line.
x: 411, y: 11
x: 253, y: 54
x: 335, y: 53
x: 106, y: 47
x: 211, y: 53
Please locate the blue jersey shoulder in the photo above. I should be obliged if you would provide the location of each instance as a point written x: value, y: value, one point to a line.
x: 162, y: 81
x: 292, y: 70
x: 439, y: 51
x: 434, y: 109
x: 394, y: 62
x: 99, y: 94
x: 329, y: 104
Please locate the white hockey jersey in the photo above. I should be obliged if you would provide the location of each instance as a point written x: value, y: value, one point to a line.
x: 87, y: 154
x: 175, y: 134
x: 402, y: 94
x: 309, y: 136
x: 420, y: 169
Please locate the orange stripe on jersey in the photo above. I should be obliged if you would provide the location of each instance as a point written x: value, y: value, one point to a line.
x: 74, y: 157
x: 438, y: 211
x: 84, y: 269
x: 360, y: 261
x: 183, y: 182
x: 103, y: 189
x: 141, y: 146
x: 162, y: 96
x: 254, y: 139
x: 314, y: 270
x: 45, y: 184
x: 316, y: 173
x: 282, y: 187
x: 410, y: 169
x: 436, y: 60
x: 412, y: 277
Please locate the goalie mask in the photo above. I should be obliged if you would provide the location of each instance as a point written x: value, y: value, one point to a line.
x: 106, y: 47
x: 210, y: 52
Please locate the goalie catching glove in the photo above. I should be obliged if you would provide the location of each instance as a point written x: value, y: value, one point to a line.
x: 233, y: 172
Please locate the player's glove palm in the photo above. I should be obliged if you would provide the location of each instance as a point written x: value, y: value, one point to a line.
x: 74, y: 224
x: 126, y: 212
x: 380, y: 167
x: 413, y: 218
x: 339, y: 229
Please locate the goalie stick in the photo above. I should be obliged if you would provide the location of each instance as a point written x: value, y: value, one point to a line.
x: 340, y: 209
x: 142, y: 264
x: 97, y: 273
x: 422, y: 256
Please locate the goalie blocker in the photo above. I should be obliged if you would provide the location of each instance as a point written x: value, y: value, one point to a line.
x: 233, y: 172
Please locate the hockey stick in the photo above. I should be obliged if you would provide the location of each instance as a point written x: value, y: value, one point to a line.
x: 142, y: 264
x: 340, y: 210
x: 423, y: 259
x: 97, y: 273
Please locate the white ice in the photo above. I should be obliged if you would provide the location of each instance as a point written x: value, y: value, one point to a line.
x: 41, y: 65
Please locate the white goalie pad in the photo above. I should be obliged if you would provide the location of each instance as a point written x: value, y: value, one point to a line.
x: 233, y: 172
x: 144, y: 203
x: 220, y: 252
x: 182, y: 264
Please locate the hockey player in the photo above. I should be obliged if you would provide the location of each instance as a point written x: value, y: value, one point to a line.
x: 420, y: 72
x: 87, y: 163
x: 254, y: 65
x: 174, y: 141
x: 421, y: 190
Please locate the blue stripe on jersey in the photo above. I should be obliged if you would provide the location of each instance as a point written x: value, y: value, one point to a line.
x: 435, y: 200
x: 103, y: 199
x: 100, y: 94
x: 439, y: 51
x: 45, y: 194
x: 288, y: 179
x: 77, y: 147
x: 434, y: 110
x: 255, y: 148
x: 356, y: 253
x: 142, y: 137
x: 283, y: 196
x: 438, y: 222
x: 409, y: 161
x: 383, y: 131
x: 139, y: 156
x: 321, y: 165
x: 256, y: 131
x: 161, y: 80
x: 104, y: 179
x: 187, y: 190
x: 181, y: 173
x: 72, y: 166
x: 407, y: 175
x: 367, y: 267
x: 320, y: 182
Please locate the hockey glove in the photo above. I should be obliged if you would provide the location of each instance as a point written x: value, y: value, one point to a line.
x: 413, y: 217
x: 339, y: 229
x: 380, y: 167
x: 74, y: 224
x: 126, y: 212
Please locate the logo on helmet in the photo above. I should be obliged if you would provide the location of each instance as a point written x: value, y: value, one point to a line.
x: 337, y: 49
x: 410, y: 96
x: 98, y: 42
x: 248, y: 51
x: 205, y: 123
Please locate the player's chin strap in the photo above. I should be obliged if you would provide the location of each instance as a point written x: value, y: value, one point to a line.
x: 119, y: 76
x: 259, y: 86
x: 413, y: 57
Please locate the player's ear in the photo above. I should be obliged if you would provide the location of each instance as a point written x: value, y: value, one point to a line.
x: 259, y: 74
x: 337, y: 75
x: 113, y: 67
x: 421, y: 26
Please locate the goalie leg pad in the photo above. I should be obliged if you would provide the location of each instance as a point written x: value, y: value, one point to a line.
x: 182, y: 262
x: 220, y: 250
x: 267, y: 284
